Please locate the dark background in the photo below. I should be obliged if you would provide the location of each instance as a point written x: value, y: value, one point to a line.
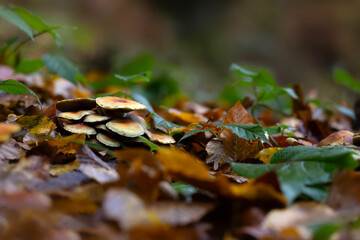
x: 299, y: 41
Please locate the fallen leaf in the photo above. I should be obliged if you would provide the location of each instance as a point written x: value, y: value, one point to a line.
x: 179, y: 213
x: 68, y: 145
x: 216, y: 153
x: 37, y: 124
x: 344, y: 194
x: 265, y: 155
x: 98, y: 173
x: 235, y: 147
x: 127, y: 209
x: 56, y: 170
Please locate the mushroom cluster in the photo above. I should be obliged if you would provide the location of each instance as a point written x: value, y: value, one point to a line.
x: 112, y: 121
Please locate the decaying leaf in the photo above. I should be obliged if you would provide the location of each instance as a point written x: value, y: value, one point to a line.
x: 235, y: 147
x: 56, y: 170
x: 127, y: 209
x: 216, y: 153
x: 98, y: 173
x: 37, y: 124
x: 69, y: 144
x: 265, y: 155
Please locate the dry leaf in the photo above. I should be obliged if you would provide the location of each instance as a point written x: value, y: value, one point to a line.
x: 56, y: 170
x: 344, y: 194
x: 179, y: 213
x: 69, y: 144
x: 37, y: 124
x: 100, y: 174
x: 265, y: 155
x: 237, y: 148
x: 216, y: 153
x: 127, y: 209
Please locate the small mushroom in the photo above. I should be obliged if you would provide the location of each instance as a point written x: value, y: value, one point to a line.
x: 108, y: 141
x: 75, y: 115
x: 116, y: 103
x: 125, y: 127
x: 80, y: 128
x: 71, y: 105
x: 160, y: 137
x: 95, y: 118
x: 336, y: 138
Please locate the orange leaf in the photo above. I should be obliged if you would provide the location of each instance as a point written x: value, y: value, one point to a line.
x: 68, y: 144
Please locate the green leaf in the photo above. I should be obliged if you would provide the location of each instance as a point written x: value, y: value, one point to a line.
x: 273, y: 130
x: 61, y: 66
x: 347, y: 80
x: 137, y: 78
x: 14, y: 87
x: 264, y: 79
x: 290, y: 92
x: 143, y: 63
x: 17, y: 20
x: 346, y: 111
x: 37, y: 23
x: 266, y: 95
x: 324, y: 231
x: 242, y: 71
x: 302, y: 169
x: 159, y: 121
x: 193, y: 132
x: 8, y: 43
x: 29, y: 66
x: 248, y: 132
x: 153, y: 146
x: 184, y: 189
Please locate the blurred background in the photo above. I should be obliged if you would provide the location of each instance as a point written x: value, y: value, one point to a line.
x: 193, y: 43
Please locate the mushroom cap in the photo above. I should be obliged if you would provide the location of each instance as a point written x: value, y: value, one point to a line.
x: 75, y: 115
x: 116, y: 103
x: 80, y: 128
x: 106, y: 140
x: 125, y: 127
x: 102, y: 127
x: 337, y: 138
x: 71, y: 105
x: 7, y: 129
x: 95, y: 118
x: 160, y: 137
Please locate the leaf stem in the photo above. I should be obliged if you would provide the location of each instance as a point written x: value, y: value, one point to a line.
x: 24, y: 42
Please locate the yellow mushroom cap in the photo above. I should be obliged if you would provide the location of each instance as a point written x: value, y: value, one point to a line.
x: 71, y: 105
x: 80, y: 128
x: 106, y: 140
x: 75, y: 115
x: 116, y: 103
x: 125, y: 127
x: 160, y: 137
x: 95, y: 118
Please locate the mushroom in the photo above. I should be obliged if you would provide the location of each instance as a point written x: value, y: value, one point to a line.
x: 71, y: 105
x: 75, y: 115
x: 80, y: 128
x: 160, y: 137
x: 336, y: 138
x: 116, y: 103
x: 125, y: 127
x: 108, y: 141
x: 96, y: 118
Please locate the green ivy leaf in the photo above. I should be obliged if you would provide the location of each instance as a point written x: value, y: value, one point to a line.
x: 14, y: 87
x: 193, y: 132
x: 61, y: 66
x: 347, y: 80
x: 242, y: 71
x: 37, y: 23
x: 246, y: 131
x: 137, y: 78
x: 16, y: 20
x: 302, y: 169
x: 153, y: 146
x: 29, y: 66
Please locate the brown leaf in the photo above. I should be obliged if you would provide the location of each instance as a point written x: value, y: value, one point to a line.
x: 216, y: 153
x: 237, y: 148
x: 127, y: 209
x: 344, y: 194
x: 56, y: 170
x: 179, y: 213
x: 100, y: 174
x: 69, y: 144
x: 37, y: 124
x: 6, y: 130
